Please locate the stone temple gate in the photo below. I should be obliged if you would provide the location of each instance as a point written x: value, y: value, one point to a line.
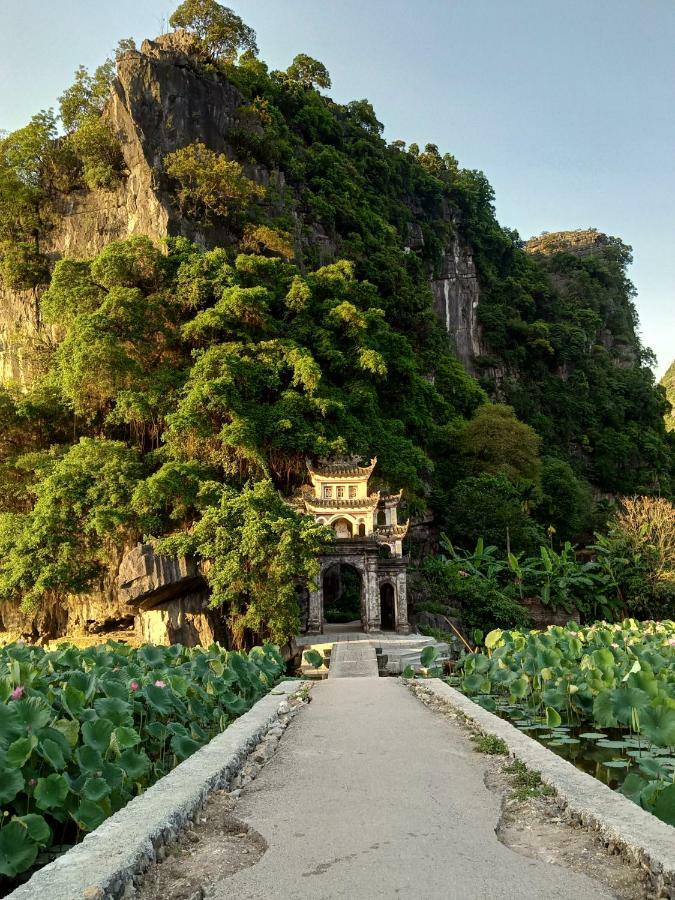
x: 367, y: 537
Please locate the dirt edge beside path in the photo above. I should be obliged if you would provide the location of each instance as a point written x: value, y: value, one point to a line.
x: 216, y: 843
x: 531, y: 821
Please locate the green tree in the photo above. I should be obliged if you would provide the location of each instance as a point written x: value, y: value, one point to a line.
x: 308, y: 72
x: 209, y: 183
x: 222, y: 32
x: 86, y: 97
x: 490, y: 507
x: 82, y: 508
x: 565, y: 502
x: 258, y: 548
x: 29, y: 170
x: 496, y: 442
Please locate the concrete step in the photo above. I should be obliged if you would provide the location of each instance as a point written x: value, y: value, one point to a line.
x: 353, y: 659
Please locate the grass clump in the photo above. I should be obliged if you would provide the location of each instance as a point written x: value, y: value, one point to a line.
x: 490, y: 744
x: 526, y: 782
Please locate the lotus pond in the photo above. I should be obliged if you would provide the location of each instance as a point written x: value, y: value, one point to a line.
x: 602, y: 696
x: 84, y: 731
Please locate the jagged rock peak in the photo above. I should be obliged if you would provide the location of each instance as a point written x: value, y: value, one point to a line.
x: 580, y: 241
x: 175, y: 46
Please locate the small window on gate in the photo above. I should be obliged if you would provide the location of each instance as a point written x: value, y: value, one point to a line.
x: 340, y: 493
x: 352, y: 491
x: 327, y: 491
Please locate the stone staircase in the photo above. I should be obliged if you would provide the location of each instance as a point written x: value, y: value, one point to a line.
x: 353, y: 659
x: 353, y: 654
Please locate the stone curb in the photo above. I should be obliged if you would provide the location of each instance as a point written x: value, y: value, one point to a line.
x: 105, y: 863
x: 619, y: 821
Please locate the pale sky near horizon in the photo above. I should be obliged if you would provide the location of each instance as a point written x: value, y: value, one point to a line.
x: 568, y: 108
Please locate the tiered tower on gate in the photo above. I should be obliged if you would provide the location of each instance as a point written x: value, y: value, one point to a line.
x: 363, y: 523
x: 339, y: 497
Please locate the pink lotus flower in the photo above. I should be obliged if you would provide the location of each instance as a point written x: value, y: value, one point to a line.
x: 18, y: 693
x: 671, y: 642
x: 160, y: 683
x: 134, y: 686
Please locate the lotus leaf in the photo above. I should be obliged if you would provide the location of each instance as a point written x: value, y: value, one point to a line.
x: 50, y: 791
x: 17, y: 849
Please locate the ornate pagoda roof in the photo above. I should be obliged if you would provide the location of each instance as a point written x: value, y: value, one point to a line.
x: 390, y: 498
x: 341, y: 468
x: 330, y: 503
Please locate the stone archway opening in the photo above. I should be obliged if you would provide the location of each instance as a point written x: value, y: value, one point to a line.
x: 342, y: 594
x: 387, y: 607
x: 343, y: 528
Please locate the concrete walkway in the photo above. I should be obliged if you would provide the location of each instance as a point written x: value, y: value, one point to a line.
x: 353, y: 659
x: 373, y: 795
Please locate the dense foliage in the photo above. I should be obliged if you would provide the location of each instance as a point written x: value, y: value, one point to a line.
x: 637, y: 554
x: 488, y: 585
x: 605, y: 676
x: 186, y: 373
x: 84, y: 731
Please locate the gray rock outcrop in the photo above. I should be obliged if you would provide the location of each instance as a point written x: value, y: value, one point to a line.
x: 147, y: 579
x: 456, y: 293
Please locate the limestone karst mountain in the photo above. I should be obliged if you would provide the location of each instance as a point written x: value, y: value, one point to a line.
x: 548, y: 327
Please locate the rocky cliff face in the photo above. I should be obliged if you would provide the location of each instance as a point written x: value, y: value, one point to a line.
x: 456, y: 292
x: 161, y: 101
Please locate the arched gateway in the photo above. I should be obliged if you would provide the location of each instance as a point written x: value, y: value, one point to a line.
x: 367, y: 538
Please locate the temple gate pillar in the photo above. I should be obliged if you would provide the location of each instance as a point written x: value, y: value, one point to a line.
x: 315, y: 617
x: 402, y: 625
x: 372, y: 588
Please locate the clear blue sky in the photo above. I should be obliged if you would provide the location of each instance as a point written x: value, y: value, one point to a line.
x: 569, y: 108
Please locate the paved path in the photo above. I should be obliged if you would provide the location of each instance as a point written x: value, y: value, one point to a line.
x: 351, y: 659
x: 371, y: 795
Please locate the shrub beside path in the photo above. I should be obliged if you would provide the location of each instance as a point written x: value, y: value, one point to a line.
x: 373, y: 795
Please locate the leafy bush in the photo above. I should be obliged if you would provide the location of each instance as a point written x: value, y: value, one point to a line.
x: 84, y: 731
x: 99, y: 151
x: 483, y: 603
x: 557, y: 579
x: 22, y: 265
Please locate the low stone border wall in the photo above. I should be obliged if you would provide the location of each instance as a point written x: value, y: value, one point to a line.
x: 101, y: 867
x: 586, y: 801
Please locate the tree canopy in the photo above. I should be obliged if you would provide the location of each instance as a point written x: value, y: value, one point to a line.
x: 221, y: 31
